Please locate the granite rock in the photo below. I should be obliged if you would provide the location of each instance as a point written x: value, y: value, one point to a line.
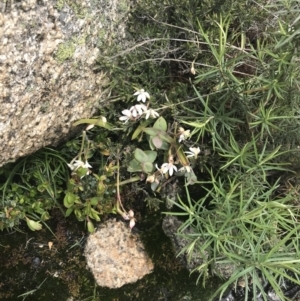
x: 47, y: 54
x: 116, y: 256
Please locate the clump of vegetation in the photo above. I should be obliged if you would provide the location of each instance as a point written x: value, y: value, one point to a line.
x: 32, y: 187
x: 217, y: 87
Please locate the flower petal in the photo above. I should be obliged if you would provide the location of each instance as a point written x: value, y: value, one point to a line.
x: 132, y: 223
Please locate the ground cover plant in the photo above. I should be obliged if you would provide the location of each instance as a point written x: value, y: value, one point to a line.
x: 204, y: 95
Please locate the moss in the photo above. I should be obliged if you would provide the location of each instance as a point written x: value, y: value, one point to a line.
x: 76, y: 6
x: 65, y: 51
x: 60, y: 4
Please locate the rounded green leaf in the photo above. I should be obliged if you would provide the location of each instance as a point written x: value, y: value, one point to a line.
x: 90, y: 227
x: 151, y: 155
x: 69, y: 199
x: 147, y: 167
x: 140, y: 155
x: 154, y: 186
x: 69, y: 211
x: 160, y: 124
x: 151, y: 131
x: 95, y: 215
x: 166, y: 137
x: 94, y: 201
x: 165, y: 145
x: 32, y: 225
x: 134, y: 166
x: 157, y: 142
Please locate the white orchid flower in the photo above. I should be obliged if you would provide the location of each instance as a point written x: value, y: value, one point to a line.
x: 127, y: 116
x: 184, y: 134
x: 194, y: 152
x: 80, y: 164
x: 132, y: 219
x: 71, y: 166
x: 142, y: 95
x: 168, y: 167
x: 87, y: 165
x: 138, y: 110
x: 151, y: 113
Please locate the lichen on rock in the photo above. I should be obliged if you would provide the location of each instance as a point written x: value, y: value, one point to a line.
x: 116, y: 256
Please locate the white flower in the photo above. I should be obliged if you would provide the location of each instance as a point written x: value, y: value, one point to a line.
x: 138, y: 110
x: 80, y: 164
x: 194, y: 152
x: 87, y: 165
x: 142, y: 95
x: 71, y: 166
x: 104, y: 120
x: 168, y: 167
x: 127, y: 116
x: 132, y: 223
x: 183, y: 134
x: 151, y: 113
x: 132, y: 219
x: 90, y: 126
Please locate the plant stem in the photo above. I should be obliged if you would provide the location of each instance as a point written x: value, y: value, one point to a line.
x: 121, y: 210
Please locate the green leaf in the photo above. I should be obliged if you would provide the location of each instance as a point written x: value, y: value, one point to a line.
x: 160, y: 124
x: 78, y: 214
x: 152, y: 131
x: 81, y: 172
x: 154, y: 186
x: 147, y: 167
x: 151, y: 145
x: 94, y: 201
x: 134, y: 166
x: 191, y: 178
x: 69, y: 211
x: 197, y: 124
x: 157, y: 141
x: 140, y: 128
x: 95, y: 215
x: 90, y: 227
x: 69, y: 199
x: 140, y: 155
x: 32, y: 225
x: 165, y: 145
x: 166, y: 137
x: 41, y: 188
x: 151, y: 155
x: 156, y: 133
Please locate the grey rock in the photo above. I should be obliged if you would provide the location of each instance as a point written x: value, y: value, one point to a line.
x: 47, y: 53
